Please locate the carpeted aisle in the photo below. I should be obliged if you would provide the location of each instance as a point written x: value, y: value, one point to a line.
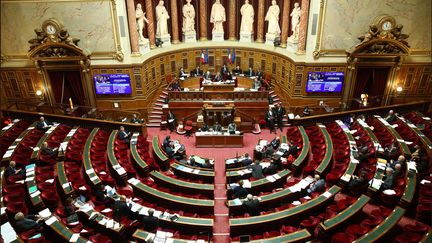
x: 221, y: 229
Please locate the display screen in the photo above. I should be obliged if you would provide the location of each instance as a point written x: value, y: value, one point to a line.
x: 325, y: 82
x: 112, y: 84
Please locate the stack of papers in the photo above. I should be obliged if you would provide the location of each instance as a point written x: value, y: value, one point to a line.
x: 247, y: 184
x: 376, y: 183
x: 45, y: 213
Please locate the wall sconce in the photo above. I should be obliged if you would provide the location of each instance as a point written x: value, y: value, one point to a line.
x: 39, y: 94
x: 399, y: 89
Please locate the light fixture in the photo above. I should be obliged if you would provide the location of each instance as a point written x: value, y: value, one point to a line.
x: 399, y: 89
x: 38, y: 92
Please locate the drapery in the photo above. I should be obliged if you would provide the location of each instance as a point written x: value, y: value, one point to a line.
x: 72, y: 89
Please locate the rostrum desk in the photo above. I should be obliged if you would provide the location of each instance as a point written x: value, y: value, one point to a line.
x: 218, y: 140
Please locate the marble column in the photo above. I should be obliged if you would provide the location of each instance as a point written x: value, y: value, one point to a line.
x: 174, y: 23
x: 133, y: 33
x: 301, y: 48
x: 260, y: 24
x: 285, y: 21
x: 151, y: 23
x: 203, y: 19
x: 232, y: 20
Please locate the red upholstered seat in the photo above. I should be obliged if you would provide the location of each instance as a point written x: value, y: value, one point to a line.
x: 310, y: 223
x: 342, y: 238
x: 357, y: 230
x: 98, y: 238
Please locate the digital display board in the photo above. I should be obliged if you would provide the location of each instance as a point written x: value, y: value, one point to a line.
x: 325, y: 82
x: 112, y: 84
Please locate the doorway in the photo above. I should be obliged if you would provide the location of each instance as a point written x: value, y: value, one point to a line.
x: 67, y: 84
x: 371, y: 81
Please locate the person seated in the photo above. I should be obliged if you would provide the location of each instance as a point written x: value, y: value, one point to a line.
x: 228, y: 76
x: 224, y: 70
x: 43, y: 125
x: 390, y: 152
x: 123, y: 135
x: 256, y: 84
x: 422, y: 165
x: 275, y: 143
x: 237, y: 71
x: 270, y: 99
x: 247, y: 160
x: 12, y: 170
x: 70, y: 212
x: 391, y: 117
x: 293, y: 149
x: 398, y: 171
x: 166, y: 142
x: 274, y: 167
x: 197, y: 72
x: 217, y: 127
x: 204, y: 128
x: 121, y: 209
x: 150, y: 222
x: 175, y: 86
x: 25, y: 223
x: 317, y: 185
x: 259, y: 74
x: 249, y: 72
x: 99, y: 193
x: 171, y: 121
x: 257, y: 170
x: 239, y: 191
x: 208, y: 76
x: 306, y: 111
x: 401, y: 160
x: 251, y: 205
x: 232, y: 128
x: 207, y: 164
x: 135, y: 119
x: 192, y: 162
x: 182, y: 73
x: 388, y: 180
x: 358, y: 182
x: 418, y: 152
x: 169, y: 150
x: 180, y: 154
x: 218, y: 78
x: 51, y: 152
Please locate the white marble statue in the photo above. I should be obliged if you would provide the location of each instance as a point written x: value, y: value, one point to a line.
x: 161, y: 20
x: 272, y: 17
x: 247, y: 20
x: 188, y: 17
x: 295, y: 22
x: 217, y: 16
x: 140, y: 17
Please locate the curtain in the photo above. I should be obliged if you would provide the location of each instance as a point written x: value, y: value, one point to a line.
x: 74, y: 84
x: 371, y: 81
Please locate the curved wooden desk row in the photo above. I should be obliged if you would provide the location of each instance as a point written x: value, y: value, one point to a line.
x: 425, y: 140
x: 139, y: 162
x: 62, y: 180
x: 326, y: 162
x: 12, y: 148
x: 35, y: 154
x: 8, y: 127
x: 298, y: 236
x: 118, y: 170
x: 158, y: 154
x: 353, y: 163
x: 382, y: 229
x: 33, y: 191
x: 343, y: 217
x: 181, y: 185
x: 65, y: 143
x: 178, y: 202
x: 245, y: 225
x: 402, y: 145
x: 305, y: 149
x: 92, y: 177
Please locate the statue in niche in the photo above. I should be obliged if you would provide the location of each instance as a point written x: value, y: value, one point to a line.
x: 188, y: 17
x: 247, y: 20
x: 217, y: 16
x: 140, y: 17
x: 161, y: 20
x: 295, y: 22
x: 272, y: 17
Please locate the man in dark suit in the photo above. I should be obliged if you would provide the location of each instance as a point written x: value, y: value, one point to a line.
x: 43, y: 124
x: 257, y: 170
x: 251, y: 205
x: 12, y: 170
x: 169, y: 150
x: 208, y: 76
x: 135, y: 119
x: 259, y: 74
x: 250, y: 72
x: 166, y: 141
x: 182, y: 73
x: 358, y: 182
x: 318, y: 185
x: 391, y: 117
x: 237, y: 70
x: 150, y: 222
x: 197, y: 72
x: 224, y: 70
x: 275, y: 143
x: 123, y: 135
x: 217, y: 127
x: 121, y: 209
x: 239, y: 191
x: 99, y: 193
x: 204, y: 128
x: 175, y: 86
x: 218, y: 77
x: 293, y: 149
x: 280, y: 113
x: 24, y: 223
x: 171, y: 120
x: 388, y: 180
x: 246, y: 161
x: 232, y: 128
x: 270, y: 120
x: 51, y: 152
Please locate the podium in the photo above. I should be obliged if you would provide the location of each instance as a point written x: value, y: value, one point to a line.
x: 218, y: 112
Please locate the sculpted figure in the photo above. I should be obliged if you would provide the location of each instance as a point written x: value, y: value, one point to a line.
x: 247, y: 20
x: 217, y: 16
x: 188, y: 17
x: 295, y: 21
x: 161, y: 20
x: 140, y: 17
x: 272, y: 17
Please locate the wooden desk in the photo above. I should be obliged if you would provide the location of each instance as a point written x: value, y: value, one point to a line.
x: 159, y: 155
x: 63, y: 180
x: 90, y: 174
x: 325, y: 163
x: 302, y: 235
x: 305, y: 149
x: 139, y: 162
x: 352, y: 143
x: 218, y: 141
x: 218, y: 87
x: 12, y: 148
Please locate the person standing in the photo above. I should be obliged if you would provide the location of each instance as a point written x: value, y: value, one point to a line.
x: 171, y: 119
x: 280, y: 113
x: 270, y: 120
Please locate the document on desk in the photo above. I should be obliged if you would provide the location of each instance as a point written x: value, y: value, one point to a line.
x: 247, y: 184
x: 271, y: 178
x: 236, y: 201
x: 74, y: 237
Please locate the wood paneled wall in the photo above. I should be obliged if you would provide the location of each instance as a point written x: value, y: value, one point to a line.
x: 416, y: 81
